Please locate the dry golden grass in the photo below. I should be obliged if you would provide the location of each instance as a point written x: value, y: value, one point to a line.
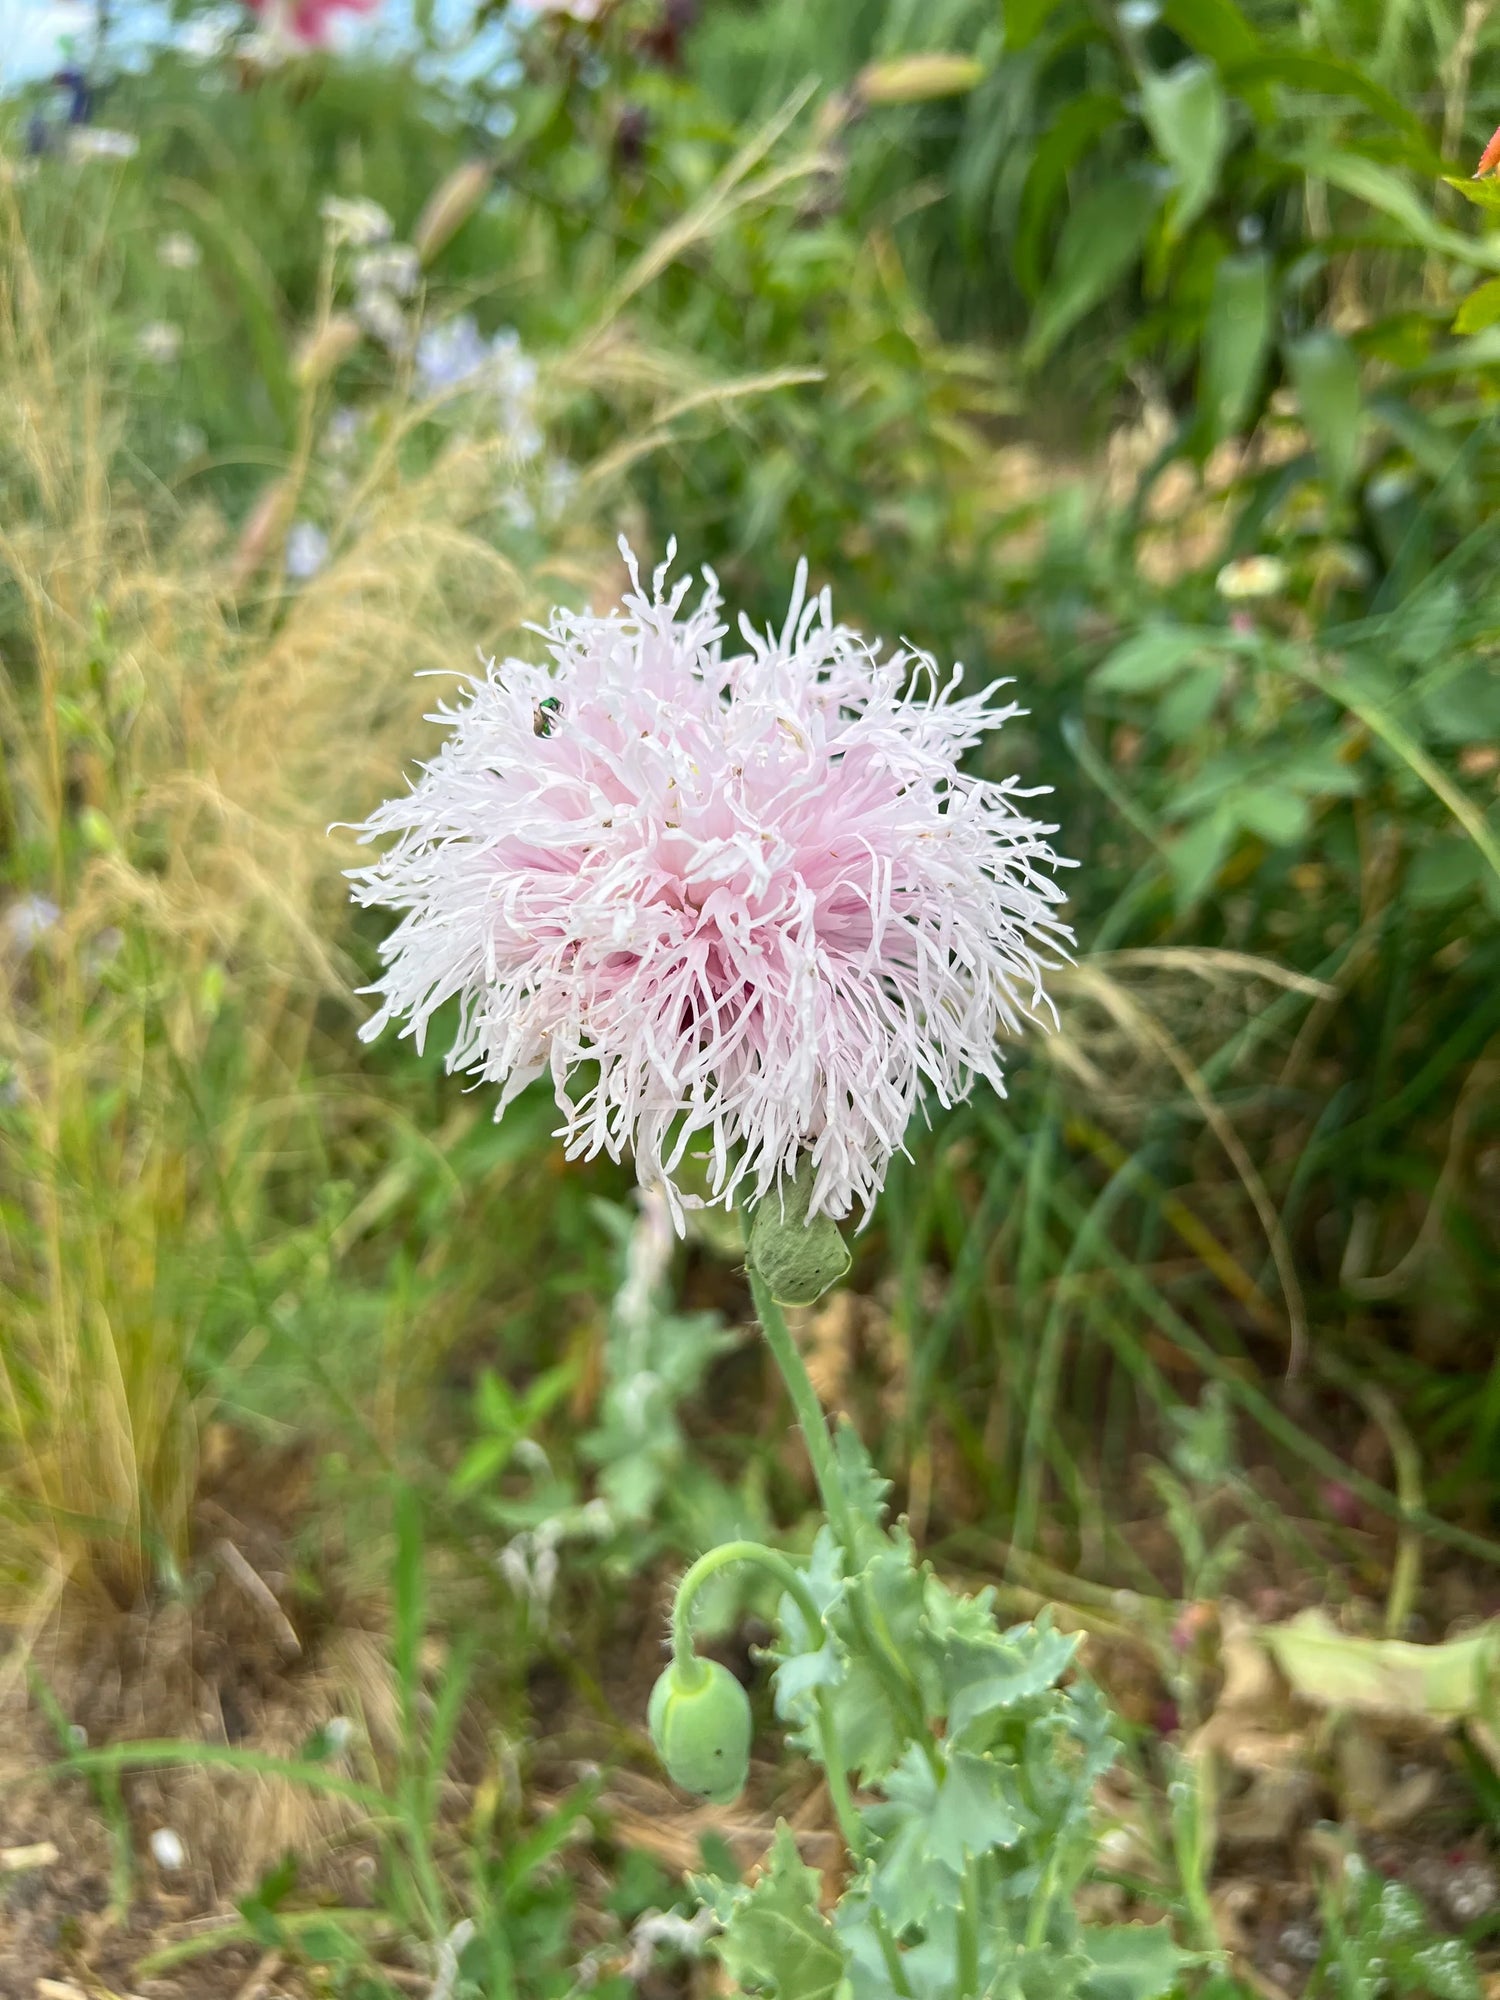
x: 180, y: 731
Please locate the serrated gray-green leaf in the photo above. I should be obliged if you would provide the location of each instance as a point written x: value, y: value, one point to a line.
x: 908, y: 1883
x: 1132, y: 1961
x: 872, y: 1728
x: 1004, y: 1671
x: 865, y: 1489
x: 1066, y: 1752
x: 1447, y: 1970
x: 823, y: 1579
x: 776, y: 1939
x: 1043, y: 1973
x: 930, y: 1824
x: 977, y: 1808
x: 950, y: 1615
x: 931, y: 1965
x: 796, y: 1679
x: 806, y: 1659
x: 891, y: 1682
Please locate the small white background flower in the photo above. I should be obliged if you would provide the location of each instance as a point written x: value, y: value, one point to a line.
x: 177, y: 251
x: 306, y: 550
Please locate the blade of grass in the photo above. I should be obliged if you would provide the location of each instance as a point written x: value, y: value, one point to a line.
x: 154, y: 1754
x: 1253, y: 1401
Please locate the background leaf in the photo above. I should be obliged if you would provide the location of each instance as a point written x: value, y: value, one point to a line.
x: 1102, y: 237
x: 1326, y: 373
x: 1189, y: 120
x: 1235, y: 341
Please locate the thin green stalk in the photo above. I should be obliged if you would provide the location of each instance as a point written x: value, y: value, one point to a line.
x: 1406, y: 1572
x: 809, y: 1412
x: 883, y: 1653
x: 1191, y: 1792
x: 1142, y: 1294
x: 790, y: 1579
x: 895, y: 1970
x: 1041, y: 1902
x: 153, y: 1754
x: 968, y: 1932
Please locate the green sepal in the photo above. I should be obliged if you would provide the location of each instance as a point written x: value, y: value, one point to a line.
x: 798, y: 1259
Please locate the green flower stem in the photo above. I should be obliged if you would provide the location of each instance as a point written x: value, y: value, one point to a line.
x: 884, y: 1656
x: 1192, y: 1793
x: 790, y: 1579
x: 838, y: 1779
x: 1040, y: 1914
x: 895, y: 1970
x: 968, y: 1932
x: 795, y: 1586
x: 809, y: 1413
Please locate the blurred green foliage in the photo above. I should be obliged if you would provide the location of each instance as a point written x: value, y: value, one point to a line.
x: 1144, y: 353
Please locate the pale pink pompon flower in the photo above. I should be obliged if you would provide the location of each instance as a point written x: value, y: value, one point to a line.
x: 741, y: 905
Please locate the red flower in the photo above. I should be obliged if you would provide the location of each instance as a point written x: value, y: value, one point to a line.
x: 1489, y: 159
x: 307, y: 20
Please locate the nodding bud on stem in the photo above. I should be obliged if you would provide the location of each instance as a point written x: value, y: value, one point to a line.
x: 700, y: 1723
x: 798, y: 1259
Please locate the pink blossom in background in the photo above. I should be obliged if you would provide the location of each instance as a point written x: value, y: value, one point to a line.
x: 741, y: 904
x: 308, y: 20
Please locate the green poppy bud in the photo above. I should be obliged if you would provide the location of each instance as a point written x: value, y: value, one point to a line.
x: 700, y: 1723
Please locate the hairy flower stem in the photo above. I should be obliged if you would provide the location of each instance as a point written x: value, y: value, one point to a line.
x: 795, y: 1586
x: 809, y: 1414
x: 790, y: 1579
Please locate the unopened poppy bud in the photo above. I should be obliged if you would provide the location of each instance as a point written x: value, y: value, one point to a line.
x: 700, y: 1723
